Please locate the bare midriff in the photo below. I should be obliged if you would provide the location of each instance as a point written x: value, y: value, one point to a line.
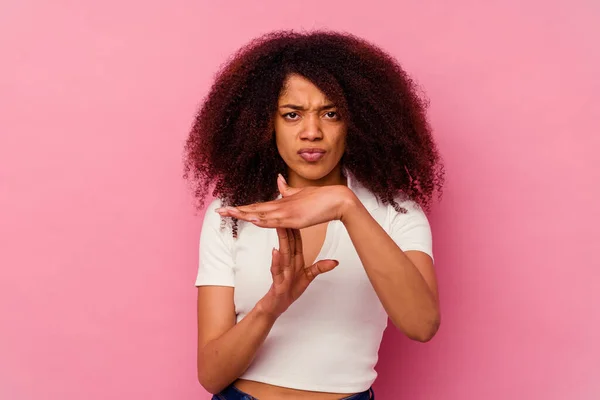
x: 264, y: 391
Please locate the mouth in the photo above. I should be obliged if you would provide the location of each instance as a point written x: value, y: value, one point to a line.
x: 311, y: 154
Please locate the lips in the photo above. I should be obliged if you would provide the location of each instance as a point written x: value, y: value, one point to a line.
x: 311, y: 154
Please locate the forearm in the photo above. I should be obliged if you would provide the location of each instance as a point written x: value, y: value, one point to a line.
x: 222, y: 360
x: 407, y: 298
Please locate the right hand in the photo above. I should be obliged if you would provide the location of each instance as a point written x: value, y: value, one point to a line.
x: 290, y: 276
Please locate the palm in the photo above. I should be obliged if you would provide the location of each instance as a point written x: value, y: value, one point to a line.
x: 310, y: 206
x: 297, y: 209
x: 290, y: 275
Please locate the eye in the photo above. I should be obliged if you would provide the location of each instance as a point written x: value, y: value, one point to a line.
x: 332, y: 115
x: 291, y: 116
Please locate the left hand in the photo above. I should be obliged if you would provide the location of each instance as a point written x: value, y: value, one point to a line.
x: 297, y: 209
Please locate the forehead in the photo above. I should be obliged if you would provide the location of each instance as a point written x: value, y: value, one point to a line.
x: 298, y: 90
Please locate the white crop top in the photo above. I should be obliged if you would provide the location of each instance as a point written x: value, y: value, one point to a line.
x: 328, y: 340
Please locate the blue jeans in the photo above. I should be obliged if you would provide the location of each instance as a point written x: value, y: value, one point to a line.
x: 233, y: 393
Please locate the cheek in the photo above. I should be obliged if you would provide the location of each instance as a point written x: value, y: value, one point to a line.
x: 340, y: 140
x: 284, y: 140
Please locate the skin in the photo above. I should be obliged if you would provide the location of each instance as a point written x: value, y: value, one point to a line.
x: 305, y: 118
x: 316, y: 194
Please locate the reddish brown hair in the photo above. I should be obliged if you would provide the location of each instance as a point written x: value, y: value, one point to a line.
x: 389, y: 146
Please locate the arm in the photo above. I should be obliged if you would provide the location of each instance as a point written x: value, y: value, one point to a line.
x: 226, y: 349
x: 404, y: 281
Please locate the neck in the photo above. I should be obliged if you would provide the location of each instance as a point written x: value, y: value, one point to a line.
x: 335, y: 177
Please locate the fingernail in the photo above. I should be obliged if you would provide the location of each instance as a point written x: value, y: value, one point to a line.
x: 281, y: 177
x: 220, y: 209
x: 254, y: 220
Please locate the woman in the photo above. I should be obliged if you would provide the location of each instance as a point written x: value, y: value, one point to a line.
x: 318, y: 151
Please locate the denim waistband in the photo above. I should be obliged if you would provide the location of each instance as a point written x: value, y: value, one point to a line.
x: 233, y: 393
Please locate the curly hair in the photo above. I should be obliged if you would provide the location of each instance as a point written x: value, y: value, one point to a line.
x: 389, y: 146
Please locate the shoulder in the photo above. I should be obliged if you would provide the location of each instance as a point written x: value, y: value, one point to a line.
x: 407, y: 207
x: 210, y: 216
x: 409, y: 226
x: 213, y: 221
x: 214, y: 204
x: 406, y: 211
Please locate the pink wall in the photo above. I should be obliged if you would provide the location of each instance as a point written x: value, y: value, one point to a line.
x: 99, y: 240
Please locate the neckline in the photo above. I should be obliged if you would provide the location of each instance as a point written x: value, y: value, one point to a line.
x: 330, y: 235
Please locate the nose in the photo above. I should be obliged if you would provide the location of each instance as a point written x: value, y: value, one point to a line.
x: 311, y: 129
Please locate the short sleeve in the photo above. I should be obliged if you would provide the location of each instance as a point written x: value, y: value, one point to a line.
x: 216, y: 251
x: 411, y: 230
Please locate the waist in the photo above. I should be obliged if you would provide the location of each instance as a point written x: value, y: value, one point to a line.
x: 243, y: 388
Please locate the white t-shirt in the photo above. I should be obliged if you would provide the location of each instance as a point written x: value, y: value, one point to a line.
x: 328, y: 340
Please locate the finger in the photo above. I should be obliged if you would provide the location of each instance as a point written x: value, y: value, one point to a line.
x: 284, y: 188
x: 299, y: 259
x: 310, y: 273
x: 282, y: 277
x: 284, y: 247
x: 259, y: 207
x: 281, y: 184
x: 250, y: 208
x: 261, y: 219
x: 320, y: 267
x: 292, y: 242
x: 236, y: 212
x: 276, y: 271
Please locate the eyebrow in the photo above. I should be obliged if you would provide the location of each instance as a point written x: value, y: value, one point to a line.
x: 300, y: 108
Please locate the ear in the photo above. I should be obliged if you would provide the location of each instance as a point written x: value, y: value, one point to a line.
x: 284, y: 189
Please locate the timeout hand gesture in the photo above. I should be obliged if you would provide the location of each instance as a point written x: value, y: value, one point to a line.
x: 298, y: 208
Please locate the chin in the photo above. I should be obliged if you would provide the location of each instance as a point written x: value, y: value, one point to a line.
x: 313, y: 172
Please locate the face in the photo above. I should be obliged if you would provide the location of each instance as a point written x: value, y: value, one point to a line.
x: 310, y: 134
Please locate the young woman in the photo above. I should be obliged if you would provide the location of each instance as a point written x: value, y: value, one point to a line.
x: 318, y: 152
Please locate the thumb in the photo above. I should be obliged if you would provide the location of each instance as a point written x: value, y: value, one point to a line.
x: 284, y: 189
x: 310, y: 273
x: 322, y: 266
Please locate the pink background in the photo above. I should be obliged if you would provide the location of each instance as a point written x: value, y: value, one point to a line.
x: 99, y: 237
